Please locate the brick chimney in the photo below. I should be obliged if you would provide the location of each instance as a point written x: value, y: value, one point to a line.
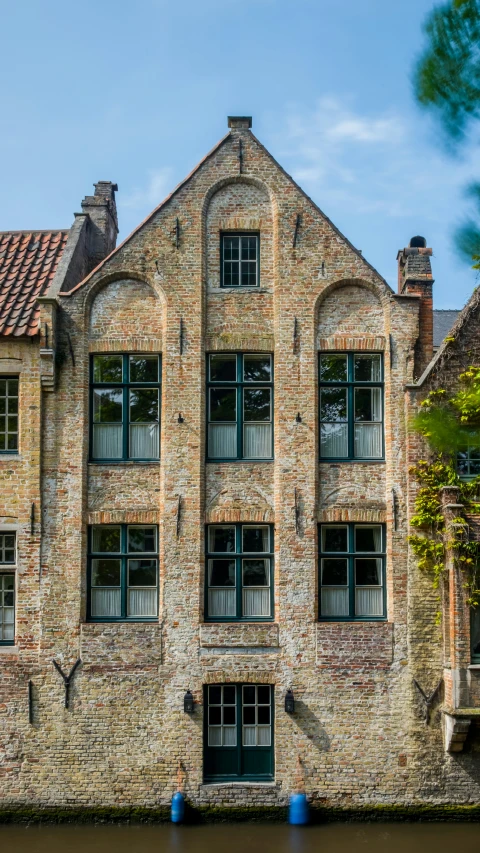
x: 102, y: 211
x: 415, y: 278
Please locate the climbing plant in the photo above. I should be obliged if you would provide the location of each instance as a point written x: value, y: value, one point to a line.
x: 449, y: 423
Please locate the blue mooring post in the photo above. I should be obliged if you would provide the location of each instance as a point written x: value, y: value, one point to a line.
x: 178, y: 808
x: 298, y: 810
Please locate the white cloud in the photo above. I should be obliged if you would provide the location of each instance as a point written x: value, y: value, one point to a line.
x: 371, y: 162
x: 158, y: 185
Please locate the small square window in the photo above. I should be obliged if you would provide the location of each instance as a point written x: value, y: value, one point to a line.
x: 240, y: 256
x: 7, y: 548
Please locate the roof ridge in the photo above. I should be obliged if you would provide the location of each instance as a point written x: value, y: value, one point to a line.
x: 37, y: 231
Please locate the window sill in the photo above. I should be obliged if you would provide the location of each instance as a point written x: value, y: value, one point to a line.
x: 323, y: 461
x: 474, y: 666
x: 252, y: 289
x: 9, y: 650
x: 238, y: 784
x: 358, y: 620
x: 126, y: 462
x: 241, y: 461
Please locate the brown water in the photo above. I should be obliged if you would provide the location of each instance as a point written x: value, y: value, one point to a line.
x: 244, y: 838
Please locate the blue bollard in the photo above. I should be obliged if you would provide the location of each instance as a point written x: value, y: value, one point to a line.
x: 298, y: 810
x: 178, y: 808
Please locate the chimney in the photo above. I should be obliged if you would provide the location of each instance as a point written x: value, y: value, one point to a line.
x: 415, y: 278
x: 102, y: 211
x: 239, y: 122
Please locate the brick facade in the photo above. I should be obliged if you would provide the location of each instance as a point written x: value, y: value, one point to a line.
x: 358, y: 727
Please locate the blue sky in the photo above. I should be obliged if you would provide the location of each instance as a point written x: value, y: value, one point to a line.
x: 137, y: 92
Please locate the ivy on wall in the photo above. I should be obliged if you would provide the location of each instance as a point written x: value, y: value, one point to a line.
x: 449, y: 424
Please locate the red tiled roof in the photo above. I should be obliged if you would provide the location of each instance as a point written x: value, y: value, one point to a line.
x: 28, y: 261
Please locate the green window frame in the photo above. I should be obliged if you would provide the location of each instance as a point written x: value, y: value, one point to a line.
x: 9, y: 391
x: 240, y: 260
x: 125, y: 402
x: 475, y: 634
x: 468, y: 463
x: 238, y: 732
x: 239, y: 573
x: 122, y: 573
x: 7, y: 608
x: 239, y: 406
x: 351, y: 406
x: 352, y: 572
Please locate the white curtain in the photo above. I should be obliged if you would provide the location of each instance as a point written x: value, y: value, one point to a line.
x: 256, y: 602
x: 229, y: 735
x: 107, y: 441
x: 377, y: 538
x: 7, y: 627
x: 142, y: 602
x: 368, y: 440
x: 221, y: 602
x: 257, y: 441
x: 249, y: 736
x: 214, y: 735
x: 368, y: 436
x: 106, y: 602
x: 144, y: 441
x: 256, y: 735
x: 334, y: 601
x: 222, y: 441
x: 334, y: 440
x: 368, y: 601
x: 263, y: 735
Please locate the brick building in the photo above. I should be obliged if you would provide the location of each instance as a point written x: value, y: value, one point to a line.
x: 204, y: 497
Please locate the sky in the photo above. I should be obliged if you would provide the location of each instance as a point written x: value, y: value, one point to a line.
x: 138, y: 92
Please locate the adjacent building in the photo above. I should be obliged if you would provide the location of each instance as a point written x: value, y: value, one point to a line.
x: 204, y: 453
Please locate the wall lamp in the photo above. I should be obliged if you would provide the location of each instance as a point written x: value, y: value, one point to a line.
x: 188, y: 702
x: 289, y: 702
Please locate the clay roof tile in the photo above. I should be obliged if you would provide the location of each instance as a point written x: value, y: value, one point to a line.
x: 28, y: 262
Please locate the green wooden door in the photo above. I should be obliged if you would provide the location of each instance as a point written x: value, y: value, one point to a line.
x: 238, y: 732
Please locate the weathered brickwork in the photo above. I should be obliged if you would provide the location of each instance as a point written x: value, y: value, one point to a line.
x: 358, y: 727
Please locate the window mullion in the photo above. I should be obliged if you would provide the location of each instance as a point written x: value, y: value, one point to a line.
x: 238, y: 571
x: 239, y: 692
x: 123, y: 569
x: 351, y: 570
x: 239, y: 406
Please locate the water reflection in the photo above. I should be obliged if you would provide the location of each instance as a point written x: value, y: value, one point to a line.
x: 238, y: 838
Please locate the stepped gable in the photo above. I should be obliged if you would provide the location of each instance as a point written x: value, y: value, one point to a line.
x: 28, y: 262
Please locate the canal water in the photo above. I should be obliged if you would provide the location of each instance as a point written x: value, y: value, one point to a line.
x: 245, y: 838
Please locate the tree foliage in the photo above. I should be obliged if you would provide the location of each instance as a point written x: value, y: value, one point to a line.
x: 447, y: 76
x: 452, y: 423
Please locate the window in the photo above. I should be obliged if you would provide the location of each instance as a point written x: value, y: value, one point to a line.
x: 352, y: 571
x: 240, y: 391
x: 240, y: 260
x: 7, y: 589
x: 123, y: 572
x: 239, y: 572
x: 8, y: 414
x: 475, y: 635
x: 125, y: 407
x: 468, y: 463
x: 351, y: 406
x: 239, y: 732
